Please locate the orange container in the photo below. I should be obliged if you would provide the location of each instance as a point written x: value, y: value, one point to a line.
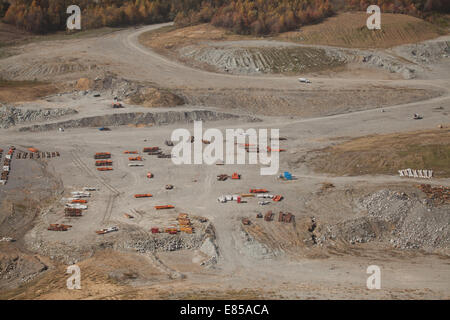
x: 79, y: 201
x: 258, y: 191
x: 104, y: 169
x: 167, y: 206
x: 143, y: 195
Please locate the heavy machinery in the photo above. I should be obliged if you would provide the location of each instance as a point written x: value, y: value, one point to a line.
x: 236, y: 176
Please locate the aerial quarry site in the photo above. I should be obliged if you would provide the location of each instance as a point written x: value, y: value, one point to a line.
x: 91, y: 174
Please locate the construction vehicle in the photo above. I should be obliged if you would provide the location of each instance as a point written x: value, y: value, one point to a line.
x: 236, y: 176
x: 154, y: 230
x: 206, y: 141
x: 222, y: 177
x: 277, y: 198
x: 259, y: 215
x: 58, y: 227
x: 286, y: 175
x: 116, y: 104
x: 149, y: 175
x: 246, y: 221
x: 167, y: 206
x: 304, y: 80
x: 129, y: 216
x: 417, y: 116
x: 107, y: 230
x: 143, y: 195
x: 169, y: 187
x: 168, y: 143
x: 33, y: 150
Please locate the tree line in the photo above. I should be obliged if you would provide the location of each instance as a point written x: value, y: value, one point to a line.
x: 241, y: 16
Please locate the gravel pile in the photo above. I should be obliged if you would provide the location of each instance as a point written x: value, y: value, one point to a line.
x: 405, y: 221
x: 11, y: 116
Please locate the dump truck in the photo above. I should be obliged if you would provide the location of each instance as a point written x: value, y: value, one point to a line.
x: 149, y: 175
x: 236, y: 176
x: 154, y: 230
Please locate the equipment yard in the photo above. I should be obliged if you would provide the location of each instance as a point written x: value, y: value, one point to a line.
x: 97, y: 185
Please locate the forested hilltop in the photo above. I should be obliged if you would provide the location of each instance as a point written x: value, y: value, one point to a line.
x: 241, y: 16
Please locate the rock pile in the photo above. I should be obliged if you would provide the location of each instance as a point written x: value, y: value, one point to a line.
x: 11, y: 116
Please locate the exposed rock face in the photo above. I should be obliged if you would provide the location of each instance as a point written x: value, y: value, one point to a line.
x: 11, y: 116
x: 139, y: 118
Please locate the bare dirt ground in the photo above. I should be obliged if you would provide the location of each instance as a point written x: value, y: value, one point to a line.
x: 222, y: 258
